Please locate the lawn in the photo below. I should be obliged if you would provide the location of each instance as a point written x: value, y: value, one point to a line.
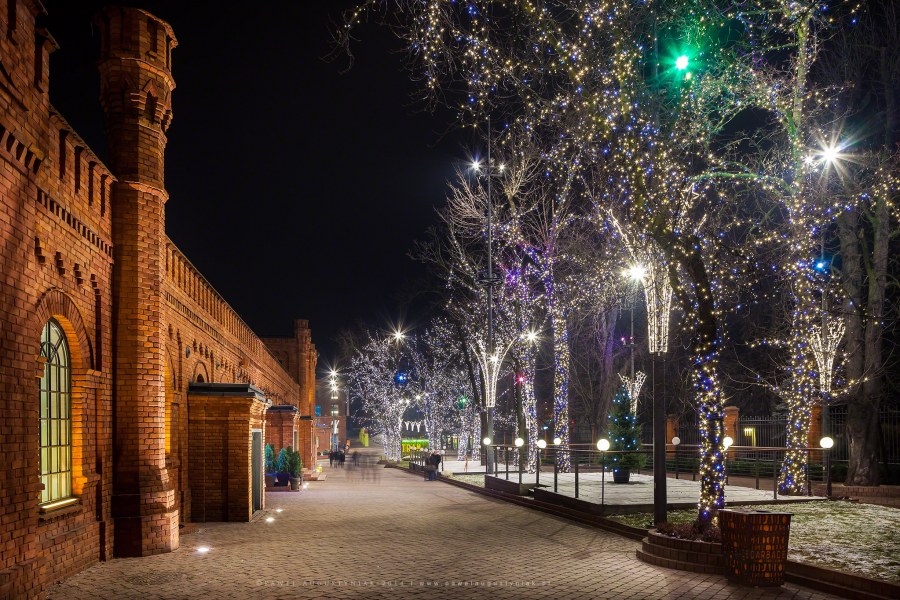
x: 850, y: 537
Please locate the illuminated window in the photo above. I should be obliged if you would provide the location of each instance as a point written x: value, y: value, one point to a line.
x: 56, y: 415
x: 334, y: 411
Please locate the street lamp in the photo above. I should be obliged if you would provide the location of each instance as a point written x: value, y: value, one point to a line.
x: 727, y: 442
x: 603, y: 446
x: 541, y: 445
x: 676, y: 441
x: 827, y: 443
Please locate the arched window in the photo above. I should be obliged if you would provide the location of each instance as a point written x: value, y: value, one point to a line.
x: 56, y: 415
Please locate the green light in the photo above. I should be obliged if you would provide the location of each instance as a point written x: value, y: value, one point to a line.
x: 681, y: 62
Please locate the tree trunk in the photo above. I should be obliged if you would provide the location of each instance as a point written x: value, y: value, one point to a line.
x: 862, y: 428
x: 705, y: 355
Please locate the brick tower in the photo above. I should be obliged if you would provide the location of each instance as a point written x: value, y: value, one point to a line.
x: 135, y: 91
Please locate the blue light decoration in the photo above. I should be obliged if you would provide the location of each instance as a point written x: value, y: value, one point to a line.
x: 401, y: 378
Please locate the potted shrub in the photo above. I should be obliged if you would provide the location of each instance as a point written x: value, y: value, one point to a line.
x: 270, y: 465
x: 281, y: 467
x: 294, y: 468
x: 624, y: 436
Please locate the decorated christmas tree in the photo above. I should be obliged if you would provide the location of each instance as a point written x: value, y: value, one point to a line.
x: 624, y: 435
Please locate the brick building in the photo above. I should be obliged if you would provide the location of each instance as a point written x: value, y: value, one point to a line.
x: 330, y: 426
x: 134, y: 398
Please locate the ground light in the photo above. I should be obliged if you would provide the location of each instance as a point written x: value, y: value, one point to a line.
x: 203, y: 549
x: 270, y: 519
x: 278, y: 510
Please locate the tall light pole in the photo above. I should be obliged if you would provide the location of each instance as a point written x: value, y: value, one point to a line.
x: 489, y: 281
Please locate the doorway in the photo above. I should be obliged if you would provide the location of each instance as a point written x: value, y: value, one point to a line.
x: 256, y: 455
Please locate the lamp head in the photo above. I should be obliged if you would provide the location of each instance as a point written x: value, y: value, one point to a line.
x: 826, y: 442
x: 635, y: 272
x: 676, y: 440
x: 486, y: 441
x: 727, y: 442
x: 542, y: 444
x: 557, y: 441
x: 603, y: 445
x: 519, y: 442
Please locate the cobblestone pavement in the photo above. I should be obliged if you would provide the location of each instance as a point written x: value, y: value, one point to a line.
x: 400, y: 537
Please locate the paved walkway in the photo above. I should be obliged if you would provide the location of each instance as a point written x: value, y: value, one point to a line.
x: 400, y: 537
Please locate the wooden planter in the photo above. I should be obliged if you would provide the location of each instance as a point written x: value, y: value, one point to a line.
x: 755, y: 544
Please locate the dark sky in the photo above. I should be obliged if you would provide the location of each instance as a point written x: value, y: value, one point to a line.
x: 296, y: 189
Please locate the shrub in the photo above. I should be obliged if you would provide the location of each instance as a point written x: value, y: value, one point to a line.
x: 281, y: 463
x: 270, y: 458
x: 690, y: 531
x: 293, y: 462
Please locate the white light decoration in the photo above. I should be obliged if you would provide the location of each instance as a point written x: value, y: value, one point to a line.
x: 633, y: 388
x: 824, y: 341
x: 492, y: 366
x: 654, y: 277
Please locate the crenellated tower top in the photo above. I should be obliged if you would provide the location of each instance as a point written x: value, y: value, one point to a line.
x: 136, y: 86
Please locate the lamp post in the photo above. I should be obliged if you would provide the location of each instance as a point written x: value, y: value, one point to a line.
x: 519, y: 443
x: 603, y: 446
x: 488, y: 460
x: 490, y: 280
x: 827, y: 443
x: 676, y: 441
x: 727, y: 442
x: 541, y: 444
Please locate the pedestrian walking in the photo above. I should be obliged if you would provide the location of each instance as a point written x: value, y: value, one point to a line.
x: 341, y: 457
x: 331, y: 458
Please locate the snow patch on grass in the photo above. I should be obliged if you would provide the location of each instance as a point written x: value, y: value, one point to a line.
x: 862, y: 539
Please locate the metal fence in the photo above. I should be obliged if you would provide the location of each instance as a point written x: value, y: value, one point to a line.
x: 770, y: 432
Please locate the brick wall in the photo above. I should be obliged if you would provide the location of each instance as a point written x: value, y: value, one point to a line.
x: 282, y: 422
x: 220, y: 448
x: 55, y: 248
x: 85, y: 244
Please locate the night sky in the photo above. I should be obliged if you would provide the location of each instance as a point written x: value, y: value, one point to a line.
x: 296, y: 189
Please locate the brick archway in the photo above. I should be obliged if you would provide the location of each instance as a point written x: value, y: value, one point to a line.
x: 54, y: 303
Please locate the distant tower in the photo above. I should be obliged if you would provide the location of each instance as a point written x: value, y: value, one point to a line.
x: 135, y: 91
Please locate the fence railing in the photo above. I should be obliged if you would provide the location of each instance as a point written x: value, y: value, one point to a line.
x: 754, y: 467
x: 769, y: 432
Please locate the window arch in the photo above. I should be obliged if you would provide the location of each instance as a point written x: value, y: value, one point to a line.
x: 55, y: 391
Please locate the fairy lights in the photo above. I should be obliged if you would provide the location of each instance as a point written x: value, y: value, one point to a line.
x: 633, y: 388
x: 824, y: 341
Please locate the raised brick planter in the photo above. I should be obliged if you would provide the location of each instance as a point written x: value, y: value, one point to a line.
x: 684, y: 555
